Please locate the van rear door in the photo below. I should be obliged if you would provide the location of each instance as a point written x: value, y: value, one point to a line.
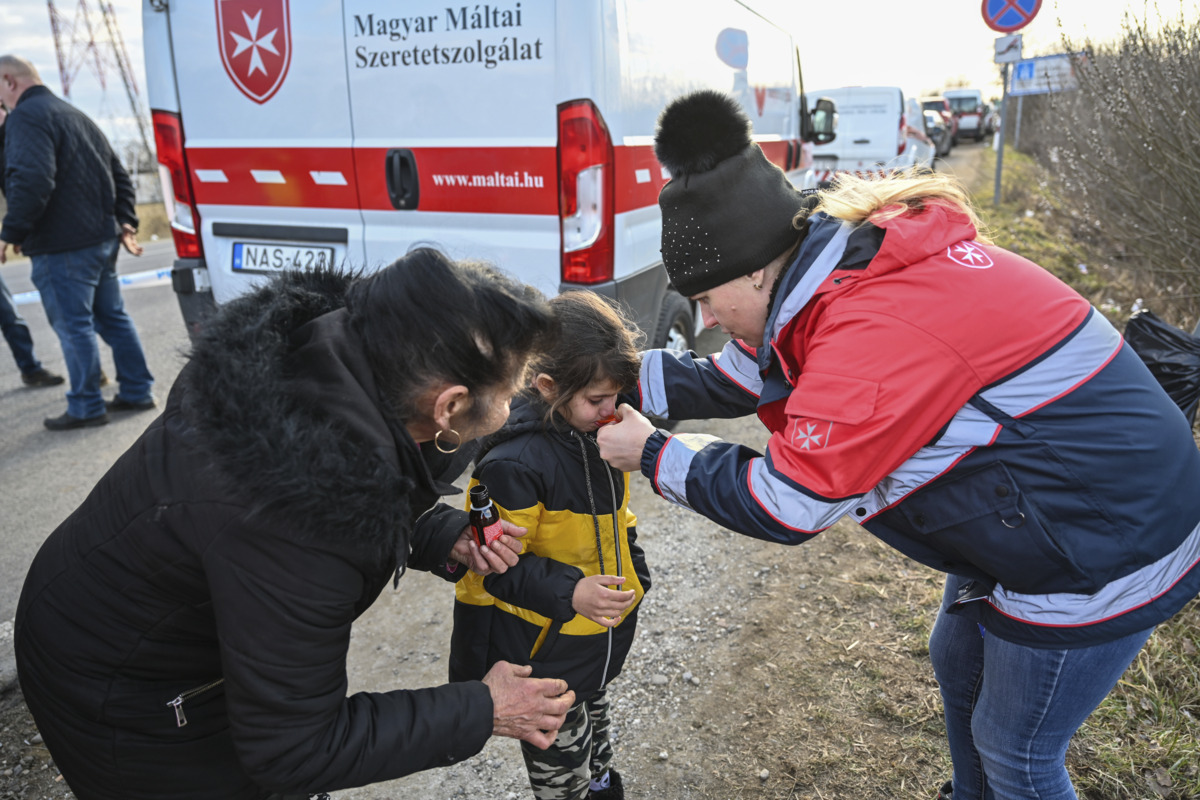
x: 267, y: 136
x: 869, y: 133
x: 455, y: 125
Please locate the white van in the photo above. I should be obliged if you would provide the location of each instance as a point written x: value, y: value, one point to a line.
x: 967, y: 105
x: 293, y: 135
x: 878, y: 131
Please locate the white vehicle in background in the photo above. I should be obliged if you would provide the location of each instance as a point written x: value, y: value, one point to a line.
x: 967, y: 105
x: 878, y: 131
x: 294, y: 135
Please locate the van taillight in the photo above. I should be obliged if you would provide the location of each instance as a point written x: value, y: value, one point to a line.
x: 176, y: 186
x: 902, y: 139
x: 585, y: 193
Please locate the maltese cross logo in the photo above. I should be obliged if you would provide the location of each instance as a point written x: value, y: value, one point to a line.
x: 969, y: 254
x: 256, y: 45
x: 811, y: 435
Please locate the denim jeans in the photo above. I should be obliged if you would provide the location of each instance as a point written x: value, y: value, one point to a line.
x: 16, y: 332
x: 82, y: 298
x: 1011, y: 710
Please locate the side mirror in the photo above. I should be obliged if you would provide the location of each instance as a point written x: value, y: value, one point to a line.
x: 821, y: 127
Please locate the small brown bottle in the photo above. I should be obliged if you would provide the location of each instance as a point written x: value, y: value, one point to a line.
x: 485, y: 519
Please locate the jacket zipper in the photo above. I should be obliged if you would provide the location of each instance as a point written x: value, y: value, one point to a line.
x: 177, y: 703
x: 612, y: 487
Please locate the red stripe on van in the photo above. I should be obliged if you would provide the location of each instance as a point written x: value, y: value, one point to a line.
x: 495, y: 180
x: 226, y: 176
x: 469, y: 180
x: 639, y: 177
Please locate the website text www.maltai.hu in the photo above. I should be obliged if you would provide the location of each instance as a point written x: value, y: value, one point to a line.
x: 506, y: 180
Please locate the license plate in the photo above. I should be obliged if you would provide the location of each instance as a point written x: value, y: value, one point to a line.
x: 254, y: 257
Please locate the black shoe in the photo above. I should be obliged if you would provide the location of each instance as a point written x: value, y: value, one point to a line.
x: 41, y: 377
x: 120, y: 404
x: 615, y: 790
x: 67, y: 422
x: 945, y: 792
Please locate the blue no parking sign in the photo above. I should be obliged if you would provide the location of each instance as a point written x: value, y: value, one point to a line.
x: 1007, y: 16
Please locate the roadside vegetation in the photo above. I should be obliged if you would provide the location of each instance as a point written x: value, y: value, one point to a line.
x: 1125, y: 150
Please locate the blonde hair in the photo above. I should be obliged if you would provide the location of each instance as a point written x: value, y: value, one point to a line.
x: 856, y: 199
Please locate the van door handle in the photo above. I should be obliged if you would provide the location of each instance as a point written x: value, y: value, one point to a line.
x: 862, y: 141
x: 403, y: 185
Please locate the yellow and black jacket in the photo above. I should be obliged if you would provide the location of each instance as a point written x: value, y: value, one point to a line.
x: 551, y: 480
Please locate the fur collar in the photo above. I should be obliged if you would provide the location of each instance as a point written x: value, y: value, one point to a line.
x: 279, y: 395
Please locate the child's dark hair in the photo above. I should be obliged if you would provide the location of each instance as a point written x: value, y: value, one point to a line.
x: 426, y: 318
x: 595, y: 341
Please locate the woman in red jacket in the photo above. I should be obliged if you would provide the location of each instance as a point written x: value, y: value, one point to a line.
x: 955, y: 399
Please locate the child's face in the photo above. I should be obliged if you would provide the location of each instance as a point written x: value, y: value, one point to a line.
x: 593, y: 403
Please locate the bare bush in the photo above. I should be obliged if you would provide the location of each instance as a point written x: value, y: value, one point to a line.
x: 1126, y: 146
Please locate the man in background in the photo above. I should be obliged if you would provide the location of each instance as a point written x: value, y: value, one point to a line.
x: 16, y: 333
x: 70, y: 206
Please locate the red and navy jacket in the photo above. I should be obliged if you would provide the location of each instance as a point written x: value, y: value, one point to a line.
x: 967, y: 408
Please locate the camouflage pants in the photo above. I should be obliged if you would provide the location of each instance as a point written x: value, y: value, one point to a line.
x: 581, y: 751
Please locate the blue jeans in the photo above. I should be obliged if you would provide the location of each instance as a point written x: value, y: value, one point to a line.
x: 1011, y: 710
x: 82, y: 298
x: 16, y: 332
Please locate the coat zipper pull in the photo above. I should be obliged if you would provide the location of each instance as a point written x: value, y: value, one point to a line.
x: 180, y: 719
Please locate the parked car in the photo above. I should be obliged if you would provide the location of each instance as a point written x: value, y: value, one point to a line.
x: 942, y: 106
x: 935, y: 126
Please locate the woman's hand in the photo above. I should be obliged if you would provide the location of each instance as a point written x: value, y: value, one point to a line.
x: 495, y: 557
x: 530, y: 709
x: 595, y: 600
x: 622, y: 442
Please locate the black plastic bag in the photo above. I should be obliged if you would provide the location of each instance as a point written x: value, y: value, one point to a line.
x: 1172, y: 355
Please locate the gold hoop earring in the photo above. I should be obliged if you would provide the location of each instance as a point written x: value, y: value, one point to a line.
x: 437, y: 441
x: 758, y: 286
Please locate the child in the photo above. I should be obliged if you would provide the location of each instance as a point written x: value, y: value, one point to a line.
x: 569, y: 607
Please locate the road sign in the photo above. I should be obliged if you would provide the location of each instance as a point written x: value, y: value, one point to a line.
x: 1006, y: 16
x: 1044, y: 74
x: 1008, y: 49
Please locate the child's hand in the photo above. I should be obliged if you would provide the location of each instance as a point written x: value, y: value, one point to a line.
x: 602, y: 605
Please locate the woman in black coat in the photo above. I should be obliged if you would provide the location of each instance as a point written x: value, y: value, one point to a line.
x: 183, y: 634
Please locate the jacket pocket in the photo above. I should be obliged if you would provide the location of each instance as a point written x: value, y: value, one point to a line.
x: 985, y: 520
x: 833, y: 398
x: 191, y: 694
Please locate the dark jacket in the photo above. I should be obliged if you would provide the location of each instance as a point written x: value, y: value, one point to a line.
x: 237, y: 540
x: 966, y: 407
x: 539, y: 479
x: 64, y: 185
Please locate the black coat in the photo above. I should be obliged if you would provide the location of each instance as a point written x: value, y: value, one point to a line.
x: 238, y: 539
x: 65, y: 187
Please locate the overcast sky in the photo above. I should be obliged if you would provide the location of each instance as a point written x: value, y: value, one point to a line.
x: 919, y: 46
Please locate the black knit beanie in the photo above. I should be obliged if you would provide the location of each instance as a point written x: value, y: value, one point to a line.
x: 727, y: 210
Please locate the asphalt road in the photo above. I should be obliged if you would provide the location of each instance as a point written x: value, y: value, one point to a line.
x: 44, y: 475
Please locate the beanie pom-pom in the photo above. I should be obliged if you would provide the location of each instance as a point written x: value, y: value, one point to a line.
x: 698, y: 131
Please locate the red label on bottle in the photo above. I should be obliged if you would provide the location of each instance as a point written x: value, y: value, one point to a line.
x: 491, y: 532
